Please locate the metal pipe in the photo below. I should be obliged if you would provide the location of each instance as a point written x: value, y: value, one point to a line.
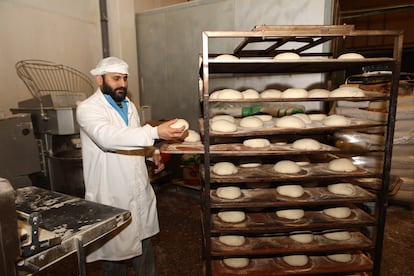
x: 104, y: 28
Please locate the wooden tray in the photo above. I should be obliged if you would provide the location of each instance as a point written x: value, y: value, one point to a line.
x: 282, y: 244
x: 270, y: 198
x: 268, y: 222
x: 318, y: 265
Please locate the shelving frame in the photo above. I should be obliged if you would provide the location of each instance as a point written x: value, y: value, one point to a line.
x: 261, y: 62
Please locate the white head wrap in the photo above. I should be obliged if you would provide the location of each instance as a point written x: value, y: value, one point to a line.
x: 110, y: 65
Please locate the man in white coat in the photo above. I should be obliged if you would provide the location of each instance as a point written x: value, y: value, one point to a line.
x: 114, y: 167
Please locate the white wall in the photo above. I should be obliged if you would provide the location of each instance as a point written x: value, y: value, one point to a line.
x: 67, y: 32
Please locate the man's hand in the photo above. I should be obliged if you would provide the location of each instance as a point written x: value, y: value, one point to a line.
x: 166, y: 132
x: 156, y: 158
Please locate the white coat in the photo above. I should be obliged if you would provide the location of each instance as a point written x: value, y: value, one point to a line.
x: 116, y: 179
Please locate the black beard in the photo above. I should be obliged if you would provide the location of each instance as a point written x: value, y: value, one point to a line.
x: 117, y: 97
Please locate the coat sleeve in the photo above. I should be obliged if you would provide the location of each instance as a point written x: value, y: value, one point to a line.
x: 102, y: 124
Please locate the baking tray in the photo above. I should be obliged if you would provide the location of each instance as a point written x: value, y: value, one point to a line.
x: 270, y: 128
x: 238, y: 149
x: 318, y: 265
x: 282, y: 244
x: 269, y: 222
x: 271, y: 198
x: 265, y: 172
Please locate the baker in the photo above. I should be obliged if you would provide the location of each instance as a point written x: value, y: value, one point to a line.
x: 115, y: 172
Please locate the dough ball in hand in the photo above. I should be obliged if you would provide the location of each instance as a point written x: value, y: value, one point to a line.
x: 180, y: 123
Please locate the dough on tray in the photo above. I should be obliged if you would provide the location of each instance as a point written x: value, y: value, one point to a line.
x: 340, y: 258
x: 290, y: 190
x: 236, y: 262
x: 295, y: 93
x: 304, y: 117
x: 250, y: 94
x: 290, y: 122
x: 264, y: 117
x: 271, y: 94
x: 306, y: 144
x: 230, y: 192
x: 338, y: 235
x: 229, y: 94
x: 291, y: 213
x: 341, y: 165
x: 318, y: 93
x: 180, y: 123
x: 338, y: 212
x: 317, y: 117
x: 226, y: 57
x: 232, y: 216
x: 223, y: 126
x: 347, y: 91
x: 256, y: 143
x: 336, y: 120
x: 286, y: 166
x: 232, y: 240
x: 251, y: 122
x: 350, y: 56
x: 192, y: 136
x: 302, y: 237
x: 296, y: 260
x: 287, y: 55
x: 224, y: 168
x: 223, y: 117
x: 342, y: 188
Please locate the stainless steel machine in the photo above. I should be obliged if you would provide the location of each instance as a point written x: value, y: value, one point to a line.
x: 56, y: 89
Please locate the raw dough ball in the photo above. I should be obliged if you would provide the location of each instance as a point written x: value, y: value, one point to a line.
x: 290, y: 190
x: 336, y: 120
x: 295, y: 93
x: 226, y: 56
x: 350, y: 56
x: 341, y: 165
x: 286, y: 166
x: 232, y: 216
x: 338, y: 236
x: 318, y: 93
x: 232, y: 240
x: 231, y: 192
x: 304, y: 117
x: 236, y: 262
x: 302, y: 237
x: 256, y: 143
x: 342, y: 189
x: 296, y: 260
x: 250, y: 94
x: 290, y: 122
x: 229, y: 94
x: 264, y: 117
x: 271, y: 94
x: 223, y: 126
x: 224, y: 168
x: 338, y: 212
x: 223, y: 117
x: 306, y: 144
x: 180, y: 123
x: 192, y: 137
x: 287, y: 55
x: 251, y: 122
x: 340, y: 258
x: 290, y: 213
x: 347, y: 91
x: 317, y: 117
x: 214, y: 95
x: 250, y: 165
